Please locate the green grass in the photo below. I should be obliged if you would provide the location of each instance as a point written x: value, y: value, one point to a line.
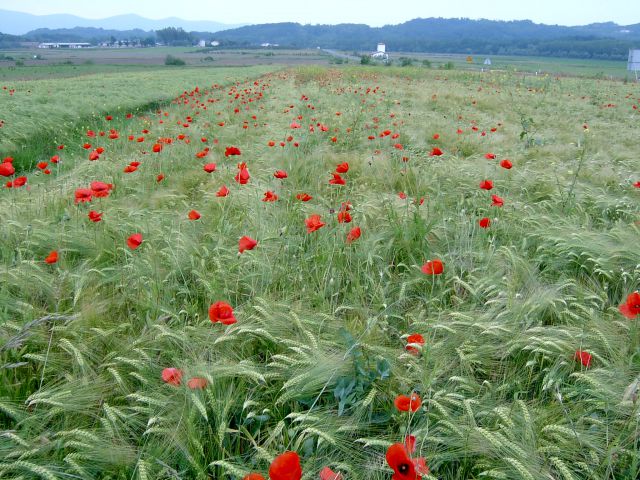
x: 318, y: 353
x: 53, y: 71
x: 603, y: 69
x: 46, y: 111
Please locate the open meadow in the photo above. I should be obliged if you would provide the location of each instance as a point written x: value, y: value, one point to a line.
x: 413, y: 272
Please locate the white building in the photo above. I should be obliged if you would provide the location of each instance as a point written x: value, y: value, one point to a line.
x: 381, y: 52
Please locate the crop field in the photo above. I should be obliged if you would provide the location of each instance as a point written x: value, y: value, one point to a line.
x: 377, y: 272
x: 87, y: 58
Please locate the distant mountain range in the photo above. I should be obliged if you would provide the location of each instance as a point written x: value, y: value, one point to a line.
x: 438, y: 35
x: 19, y: 23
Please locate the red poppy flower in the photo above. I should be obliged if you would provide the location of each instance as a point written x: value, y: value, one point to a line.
x: 280, y: 174
x: 583, y: 357
x: 637, y: 184
x: 496, y: 201
x: 486, y: 184
x: 433, y: 267
x: 246, y: 243
x: 55, y: 159
x: 160, y: 177
x: 231, y: 151
x: 242, y: 177
x: 253, y: 476
x: 344, y: 217
x: 490, y: 156
x: 134, y: 241
x: 399, y: 460
x: 506, y: 164
x: 436, y: 136
x: 337, y: 179
x: 101, y: 189
x: 435, y: 152
x: 304, y: 197
x: 327, y: 474
x: 42, y: 165
x: 130, y: 169
x: 402, y: 195
x: 631, y: 308
x: 99, y: 150
x: 194, y: 215
x: 157, y: 148
x: 7, y: 169
x: 342, y: 167
x: 414, y: 339
x: 91, y: 133
x: 484, y: 222
x: 269, y: 196
x: 353, y: 234
x: 83, y: 195
x: 95, y: 216
x: 404, y: 403
x: 221, y: 312
x: 52, y: 257
x: 210, y: 167
x: 286, y: 467
x: 313, y: 223
x: 197, y: 383
x: 18, y: 182
x: 223, y: 192
x: 93, y: 156
x: 172, y: 376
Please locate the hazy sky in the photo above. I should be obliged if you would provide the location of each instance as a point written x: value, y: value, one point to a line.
x: 375, y: 13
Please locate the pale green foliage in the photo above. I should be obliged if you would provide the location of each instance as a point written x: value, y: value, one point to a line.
x: 317, y: 355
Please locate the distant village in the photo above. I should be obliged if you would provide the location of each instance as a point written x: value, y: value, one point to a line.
x: 124, y: 44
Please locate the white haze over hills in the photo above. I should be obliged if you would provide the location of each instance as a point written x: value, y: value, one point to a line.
x: 18, y: 23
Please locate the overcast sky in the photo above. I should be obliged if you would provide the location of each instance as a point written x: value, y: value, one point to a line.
x: 374, y: 13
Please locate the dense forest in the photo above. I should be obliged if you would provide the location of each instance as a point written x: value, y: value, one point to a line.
x: 604, y: 41
x: 437, y: 35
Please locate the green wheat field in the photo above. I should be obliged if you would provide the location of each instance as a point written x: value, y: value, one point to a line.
x: 471, y: 239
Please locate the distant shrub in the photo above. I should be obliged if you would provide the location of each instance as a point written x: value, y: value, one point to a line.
x: 171, y: 60
x: 406, y: 61
x: 365, y: 60
x: 208, y: 58
x: 19, y: 63
x: 88, y: 62
x: 426, y: 63
x: 448, y: 66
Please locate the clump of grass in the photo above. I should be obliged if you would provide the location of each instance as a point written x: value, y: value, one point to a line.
x: 174, y: 61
